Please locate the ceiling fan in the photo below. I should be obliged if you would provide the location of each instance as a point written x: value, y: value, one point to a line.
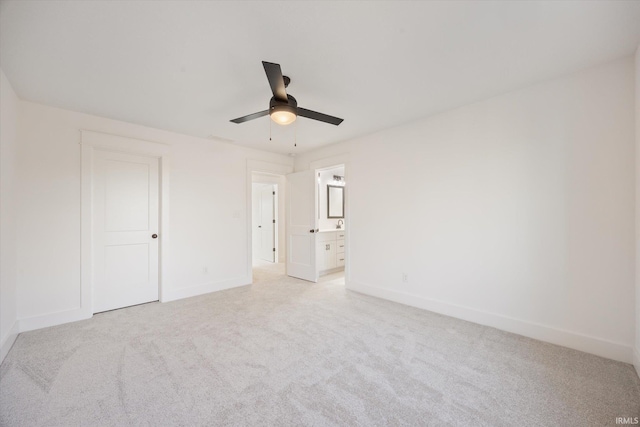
x: 283, y: 108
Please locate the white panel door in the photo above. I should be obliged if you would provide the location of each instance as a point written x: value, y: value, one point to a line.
x: 302, y: 225
x: 125, y: 215
x: 267, y: 216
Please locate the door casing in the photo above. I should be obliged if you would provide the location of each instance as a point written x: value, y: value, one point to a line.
x: 258, y: 166
x: 91, y: 141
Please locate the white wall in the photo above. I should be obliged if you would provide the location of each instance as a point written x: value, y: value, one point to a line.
x: 208, y: 214
x: 8, y: 149
x: 515, y: 212
x: 281, y: 194
x: 637, y: 346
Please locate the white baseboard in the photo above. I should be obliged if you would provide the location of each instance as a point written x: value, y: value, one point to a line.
x: 54, y: 319
x: 205, y: 288
x: 574, y: 340
x: 7, y: 341
x: 636, y: 360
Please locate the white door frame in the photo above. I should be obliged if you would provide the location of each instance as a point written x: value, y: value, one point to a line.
x: 91, y: 141
x: 265, y: 167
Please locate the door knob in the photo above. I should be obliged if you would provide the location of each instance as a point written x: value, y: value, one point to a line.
x: 154, y: 236
x: 312, y: 231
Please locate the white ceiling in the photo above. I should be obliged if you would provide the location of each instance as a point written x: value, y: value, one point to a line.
x: 190, y: 67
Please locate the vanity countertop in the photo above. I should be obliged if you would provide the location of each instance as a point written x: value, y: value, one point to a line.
x: 327, y: 230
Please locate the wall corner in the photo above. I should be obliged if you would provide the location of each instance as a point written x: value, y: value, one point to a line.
x: 636, y: 353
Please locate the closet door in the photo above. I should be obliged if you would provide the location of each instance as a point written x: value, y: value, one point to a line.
x: 125, y: 216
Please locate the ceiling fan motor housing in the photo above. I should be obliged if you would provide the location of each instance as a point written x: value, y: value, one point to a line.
x: 290, y: 105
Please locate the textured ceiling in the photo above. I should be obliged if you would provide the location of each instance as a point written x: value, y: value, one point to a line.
x: 190, y: 67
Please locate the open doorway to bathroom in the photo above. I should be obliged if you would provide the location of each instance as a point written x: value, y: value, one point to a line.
x: 331, y: 237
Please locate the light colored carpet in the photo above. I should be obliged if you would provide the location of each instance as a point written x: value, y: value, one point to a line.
x: 287, y: 352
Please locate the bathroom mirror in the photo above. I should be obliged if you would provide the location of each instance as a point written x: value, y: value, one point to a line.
x: 335, y: 201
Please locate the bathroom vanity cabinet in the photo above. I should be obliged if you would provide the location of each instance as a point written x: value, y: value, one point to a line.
x: 330, y: 251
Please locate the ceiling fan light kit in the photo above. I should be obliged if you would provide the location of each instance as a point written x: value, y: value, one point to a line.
x: 283, y: 108
x: 283, y: 113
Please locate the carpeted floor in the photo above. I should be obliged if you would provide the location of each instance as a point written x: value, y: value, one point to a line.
x: 287, y: 352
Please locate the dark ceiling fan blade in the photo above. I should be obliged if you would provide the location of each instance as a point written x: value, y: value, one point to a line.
x: 250, y: 117
x: 276, y: 81
x: 303, y: 112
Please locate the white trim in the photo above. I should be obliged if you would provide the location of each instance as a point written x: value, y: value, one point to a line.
x: 205, y: 288
x: 122, y: 143
x: 90, y: 141
x: 264, y: 167
x: 574, y: 340
x: 636, y: 360
x: 53, y: 319
x: 267, y: 167
x: 7, y: 342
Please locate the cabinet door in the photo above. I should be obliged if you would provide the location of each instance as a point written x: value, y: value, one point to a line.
x: 327, y: 255
x: 321, y: 255
x: 330, y: 254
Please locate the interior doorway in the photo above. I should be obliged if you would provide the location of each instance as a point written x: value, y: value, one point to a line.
x: 267, y: 216
x: 316, y: 229
x: 264, y: 221
x: 331, y: 234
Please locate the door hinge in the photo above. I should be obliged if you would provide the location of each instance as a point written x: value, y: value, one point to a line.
x: 274, y: 249
x: 274, y: 193
x: 274, y: 221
